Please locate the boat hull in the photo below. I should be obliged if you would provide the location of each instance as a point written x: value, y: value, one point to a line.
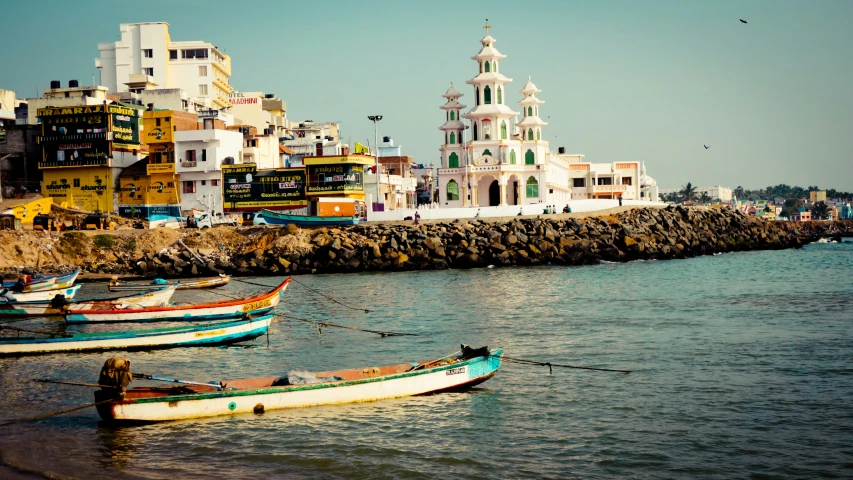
x: 182, y: 285
x: 46, y: 295
x: 194, y: 335
x: 229, y: 402
x: 258, y: 305
x: 275, y: 218
x: 45, y: 309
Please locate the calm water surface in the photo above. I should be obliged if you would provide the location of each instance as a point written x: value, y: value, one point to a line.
x: 743, y: 368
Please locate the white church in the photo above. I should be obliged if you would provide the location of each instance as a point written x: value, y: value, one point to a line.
x: 507, y: 162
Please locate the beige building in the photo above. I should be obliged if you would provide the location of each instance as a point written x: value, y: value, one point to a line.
x: 72, y: 96
x: 260, y: 110
x: 817, y: 196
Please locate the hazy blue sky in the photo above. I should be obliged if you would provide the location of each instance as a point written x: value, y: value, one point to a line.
x: 622, y: 80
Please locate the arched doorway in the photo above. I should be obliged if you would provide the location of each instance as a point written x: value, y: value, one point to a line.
x: 512, y: 191
x: 494, y: 194
x: 484, y: 191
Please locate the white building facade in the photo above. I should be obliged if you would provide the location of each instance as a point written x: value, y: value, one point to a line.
x: 146, y: 49
x: 504, y: 163
x: 715, y: 192
x: 200, y: 155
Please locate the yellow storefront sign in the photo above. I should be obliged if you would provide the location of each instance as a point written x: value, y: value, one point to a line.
x: 160, y: 168
x: 27, y: 211
x: 89, y: 188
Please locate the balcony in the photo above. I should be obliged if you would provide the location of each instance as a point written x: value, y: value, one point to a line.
x: 189, y: 163
x: 76, y: 137
x: 83, y: 162
x: 610, y: 188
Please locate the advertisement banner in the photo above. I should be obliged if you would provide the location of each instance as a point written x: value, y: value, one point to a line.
x: 335, y: 179
x: 160, y: 168
x: 245, y: 186
x: 125, y: 128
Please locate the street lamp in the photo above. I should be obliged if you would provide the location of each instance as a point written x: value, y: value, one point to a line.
x: 375, y: 119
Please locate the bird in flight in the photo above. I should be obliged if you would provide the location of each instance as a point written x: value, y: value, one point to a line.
x: 706, y: 147
x: 742, y: 21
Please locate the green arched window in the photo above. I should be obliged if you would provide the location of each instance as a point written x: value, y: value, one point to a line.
x: 512, y: 157
x: 453, y: 190
x: 538, y: 134
x: 452, y: 138
x: 529, y: 111
x: 487, y: 152
x: 529, y: 158
x: 500, y: 96
x: 453, y: 161
x: 488, y: 67
x: 503, y: 126
x: 532, y: 190
x: 494, y: 67
x: 452, y: 115
x: 530, y: 134
x: 487, y: 94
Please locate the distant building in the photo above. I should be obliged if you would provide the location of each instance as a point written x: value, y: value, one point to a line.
x: 307, y: 138
x: 72, y: 96
x: 200, y: 155
x: 716, y: 192
x: 260, y: 110
x: 801, y: 216
x: 817, y: 196
x: 146, y: 58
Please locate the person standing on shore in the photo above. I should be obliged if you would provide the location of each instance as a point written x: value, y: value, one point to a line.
x: 620, y: 200
x: 417, y: 217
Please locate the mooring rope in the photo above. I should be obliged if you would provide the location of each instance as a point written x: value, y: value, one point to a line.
x: 53, y: 414
x: 320, y: 324
x: 309, y: 288
x: 522, y: 361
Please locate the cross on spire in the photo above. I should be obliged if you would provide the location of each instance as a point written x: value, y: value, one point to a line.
x: 487, y: 27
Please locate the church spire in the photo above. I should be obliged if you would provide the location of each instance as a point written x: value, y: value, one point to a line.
x: 531, y: 125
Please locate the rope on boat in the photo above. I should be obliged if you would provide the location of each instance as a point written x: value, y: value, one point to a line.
x: 53, y: 414
x: 522, y: 361
x: 76, y: 384
x: 320, y: 324
x: 30, y: 330
x: 309, y: 288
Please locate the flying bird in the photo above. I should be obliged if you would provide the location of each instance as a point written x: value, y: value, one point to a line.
x: 706, y: 147
x: 742, y: 21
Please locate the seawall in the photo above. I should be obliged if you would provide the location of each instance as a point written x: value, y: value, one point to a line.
x: 562, y: 239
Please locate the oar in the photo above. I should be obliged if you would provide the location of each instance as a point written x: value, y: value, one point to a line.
x: 144, y: 376
x: 78, y: 384
x: 53, y: 414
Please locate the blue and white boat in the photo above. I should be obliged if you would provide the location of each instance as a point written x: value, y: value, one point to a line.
x: 221, y: 333
x: 40, y: 296
x: 270, y: 217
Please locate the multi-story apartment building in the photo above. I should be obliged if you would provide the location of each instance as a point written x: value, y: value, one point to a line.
x: 260, y: 110
x: 146, y: 49
x: 200, y: 155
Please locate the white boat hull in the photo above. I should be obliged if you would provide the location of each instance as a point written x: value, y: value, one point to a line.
x: 46, y: 295
x: 272, y: 398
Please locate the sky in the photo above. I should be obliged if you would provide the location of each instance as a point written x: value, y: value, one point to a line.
x: 651, y: 81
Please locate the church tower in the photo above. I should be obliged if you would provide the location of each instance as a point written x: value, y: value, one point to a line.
x: 530, y: 127
x: 452, y: 150
x: 490, y: 118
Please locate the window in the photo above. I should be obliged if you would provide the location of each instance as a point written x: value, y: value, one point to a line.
x: 148, y: 53
x: 487, y: 95
x: 503, y: 123
x: 157, y: 122
x: 173, y: 54
x: 487, y: 130
x: 476, y: 95
x: 579, y: 182
x: 538, y: 134
x: 530, y: 134
x: 202, y: 89
x: 488, y: 67
x: 203, y: 154
x: 626, y: 180
x: 452, y: 138
x: 512, y: 157
x: 190, y: 156
x: 76, y: 182
x: 214, y: 183
x: 500, y: 96
x: 475, y: 132
x: 171, y: 184
x: 452, y: 116
x: 529, y: 158
x: 494, y: 67
x: 453, y: 162
x: 203, y: 183
x: 452, y: 190
x: 194, y: 53
x: 189, y: 186
x: 202, y: 70
x: 529, y: 111
x: 532, y: 190
x: 148, y: 71
x: 605, y: 181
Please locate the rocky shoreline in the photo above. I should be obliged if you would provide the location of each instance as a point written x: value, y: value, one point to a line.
x: 646, y: 233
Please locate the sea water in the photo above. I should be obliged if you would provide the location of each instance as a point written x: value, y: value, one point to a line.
x: 742, y: 367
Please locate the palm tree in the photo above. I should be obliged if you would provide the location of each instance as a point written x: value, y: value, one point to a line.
x: 705, y: 198
x: 739, y: 192
x: 688, y: 191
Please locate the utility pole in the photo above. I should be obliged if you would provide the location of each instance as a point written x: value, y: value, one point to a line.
x: 375, y: 119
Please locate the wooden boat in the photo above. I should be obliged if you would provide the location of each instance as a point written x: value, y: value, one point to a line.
x: 256, y: 305
x: 465, y: 369
x: 54, y: 282
x: 272, y: 217
x: 119, y: 286
x: 46, y: 309
x: 220, y: 333
x: 44, y: 295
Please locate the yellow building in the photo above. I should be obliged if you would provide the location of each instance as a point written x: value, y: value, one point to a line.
x: 149, y: 191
